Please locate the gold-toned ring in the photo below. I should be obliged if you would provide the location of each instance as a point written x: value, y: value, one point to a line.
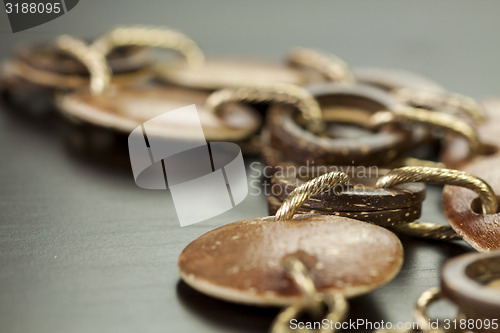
x: 302, y: 279
x: 337, y: 312
x: 100, y: 73
x: 424, y: 301
x: 426, y: 230
x: 412, y: 161
x: 312, y: 187
x: 436, y: 100
x: 153, y: 37
x: 432, y: 119
x: 443, y: 177
x: 328, y: 65
x: 274, y: 93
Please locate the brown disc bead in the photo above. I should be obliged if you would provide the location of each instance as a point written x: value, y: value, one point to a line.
x: 462, y: 206
x: 243, y: 262
x: 456, y: 153
x: 230, y: 73
x: 383, y: 218
x: 125, y: 108
x: 390, y: 79
x: 348, y: 138
x: 471, y: 282
x: 360, y: 196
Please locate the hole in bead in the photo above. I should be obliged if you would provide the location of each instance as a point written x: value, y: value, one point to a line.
x: 477, y: 206
x: 488, y: 149
x: 485, y: 272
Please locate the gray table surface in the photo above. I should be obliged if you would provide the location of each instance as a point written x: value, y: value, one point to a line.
x: 82, y: 249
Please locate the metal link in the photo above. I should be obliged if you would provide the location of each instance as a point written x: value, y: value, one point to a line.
x: 153, y: 37
x: 275, y: 93
x: 433, y: 119
x: 442, y: 177
x: 328, y: 65
x: 438, y: 100
x: 315, y: 186
x: 420, y: 314
x: 100, y: 73
x: 337, y: 306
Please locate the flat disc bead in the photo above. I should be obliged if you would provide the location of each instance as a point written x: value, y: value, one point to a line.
x: 242, y: 262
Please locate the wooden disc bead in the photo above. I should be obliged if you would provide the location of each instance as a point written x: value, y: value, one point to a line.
x: 471, y: 281
x: 230, y: 73
x: 125, y: 108
x: 462, y: 206
x: 383, y: 218
x: 243, y: 261
x: 360, y: 196
x: 456, y: 153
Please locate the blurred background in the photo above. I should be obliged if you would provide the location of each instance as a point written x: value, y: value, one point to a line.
x: 82, y: 249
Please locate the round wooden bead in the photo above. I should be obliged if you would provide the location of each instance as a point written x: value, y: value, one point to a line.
x: 230, y: 73
x: 361, y: 195
x: 243, y: 261
x: 125, y: 108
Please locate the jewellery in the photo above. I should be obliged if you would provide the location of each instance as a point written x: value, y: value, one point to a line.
x: 476, y: 228
x: 461, y: 207
x: 227, y: 73
x: 365, y: 199
x: 470, y: 282
x: 47, y: 66
x: 408, y: 88
x: 284, y: 140
x: 457, y: 152
x: 291, y: 261
x: 35, y: 72
x: 322, y: 115
x: 122, y: 109
x: 358, y: 200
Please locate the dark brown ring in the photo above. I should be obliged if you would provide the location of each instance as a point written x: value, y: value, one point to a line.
x: 383, y: 218
x: 361, y: 196
x: 464, y: 281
